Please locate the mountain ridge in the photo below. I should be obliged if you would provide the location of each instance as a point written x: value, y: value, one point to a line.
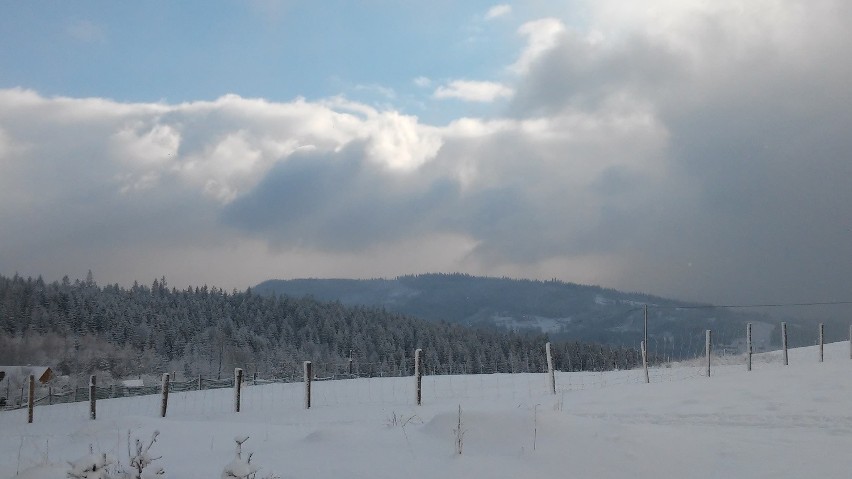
x: 560, y: 309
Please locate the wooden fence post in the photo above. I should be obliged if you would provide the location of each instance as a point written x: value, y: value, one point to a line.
x: 784, y: 342
x: 707, y: 344
x: 31, y: 399
x: 645, y: 362
x: 50, y: 395
x: 238, y: 383
x: 551, y: 375
x: 92, y: 397
x: 199, y: 382
x: 164, y: 390
x: 308, y: 377
x: 749, y: 349
x: 418, y: 376
x: 821, y: 342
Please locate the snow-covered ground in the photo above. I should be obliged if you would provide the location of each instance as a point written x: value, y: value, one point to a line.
x: 775, y: 421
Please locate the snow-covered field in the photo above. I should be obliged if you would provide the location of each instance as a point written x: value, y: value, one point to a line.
x: 775, y: 421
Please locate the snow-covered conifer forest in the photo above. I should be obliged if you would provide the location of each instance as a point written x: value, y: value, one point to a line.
x: 80, y: 328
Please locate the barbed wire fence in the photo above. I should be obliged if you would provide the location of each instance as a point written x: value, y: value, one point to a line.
x: 670, y: 358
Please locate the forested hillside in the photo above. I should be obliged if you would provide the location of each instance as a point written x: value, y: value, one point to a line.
x: 79, y: 328
x: 562, y: 310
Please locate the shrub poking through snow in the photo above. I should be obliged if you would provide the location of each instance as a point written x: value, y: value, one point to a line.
x: 93, y: 466
x: 90, y: 466
x: 242, y: 468
x: 142, y: 459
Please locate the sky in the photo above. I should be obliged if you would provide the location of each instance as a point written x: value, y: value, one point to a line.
x: 693, y: 149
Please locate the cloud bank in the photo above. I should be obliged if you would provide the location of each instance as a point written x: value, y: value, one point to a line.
x: 693, y: 149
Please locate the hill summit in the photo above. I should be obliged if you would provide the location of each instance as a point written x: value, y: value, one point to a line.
x: 559, y: 309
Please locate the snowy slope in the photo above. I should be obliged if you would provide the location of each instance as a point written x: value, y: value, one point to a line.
x: 775, y: 421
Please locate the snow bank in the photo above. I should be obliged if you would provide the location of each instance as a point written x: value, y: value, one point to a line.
x: 775, y: 421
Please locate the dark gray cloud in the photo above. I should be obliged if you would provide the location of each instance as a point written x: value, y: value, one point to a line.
x: 340, y: 201
x: 526, y: 199
x: 755, y: 120
x: 578, y: 74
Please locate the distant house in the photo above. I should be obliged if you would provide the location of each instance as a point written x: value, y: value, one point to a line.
x: 18, y: 374
x: 133, y: 383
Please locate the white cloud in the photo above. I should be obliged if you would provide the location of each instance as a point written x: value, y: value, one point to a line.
x: 143, y: 145
x: 475, y: 91
x: 498, y: 11
x: 541, y: 36
x: 399, y: 142
x: 650, y: 136
x: 384, y: 91
x: 219, y: 149
x: 422, y: 82
x: 146, y: 150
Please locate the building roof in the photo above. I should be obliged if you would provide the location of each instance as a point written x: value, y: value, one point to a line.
x: 42, y: 374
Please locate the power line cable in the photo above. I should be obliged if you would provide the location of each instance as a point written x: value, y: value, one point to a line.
x: 767, y: 305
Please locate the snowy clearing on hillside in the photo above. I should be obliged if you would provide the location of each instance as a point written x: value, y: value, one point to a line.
x: 775, y: 421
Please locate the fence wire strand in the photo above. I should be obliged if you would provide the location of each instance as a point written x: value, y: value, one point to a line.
x: 370, y: 383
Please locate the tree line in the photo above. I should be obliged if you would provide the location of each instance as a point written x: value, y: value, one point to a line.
x: 81, y: 328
